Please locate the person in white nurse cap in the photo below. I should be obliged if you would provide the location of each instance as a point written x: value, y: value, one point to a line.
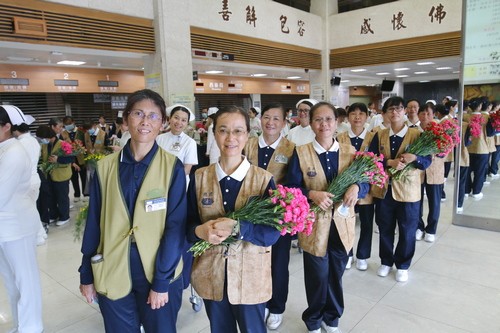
x: 303, y: 134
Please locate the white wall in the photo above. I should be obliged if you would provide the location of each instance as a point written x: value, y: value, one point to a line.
x: 345, y: 28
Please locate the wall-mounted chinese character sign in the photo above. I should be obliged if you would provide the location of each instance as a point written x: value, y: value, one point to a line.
x: 301, y: 24
x: 225, y: 10
x: 397, y: 21
x: 365, y: 28
x: 284, y: 27
x: 251, y: 18
x: 437, y: 13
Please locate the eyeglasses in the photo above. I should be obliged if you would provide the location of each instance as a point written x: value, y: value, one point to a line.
x: 395, y: 108
x: 153, y: 116
x: 236, y: 132
x: 303, y: 110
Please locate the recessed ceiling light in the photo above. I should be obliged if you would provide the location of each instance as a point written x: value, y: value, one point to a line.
x: 425, y: 63
x: 421, y: 72
x: 456, y: 72
x: 383, y: 73
x: 294, y: 77
x: 401, y: 75
x: 259, y: 74
x: 214, y: 72
x: 443, y: 68
x: 424, y: 81
x: 71, y: 62
x: 401, y: 69
x: 358, y: 70
x: 345, y: 80
x: 243, y: 73
x: 58, y: 53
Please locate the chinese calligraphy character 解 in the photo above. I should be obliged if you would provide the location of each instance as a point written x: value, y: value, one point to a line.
x: 301, y: 24
x: 397, y: 21
x: 284, y: 28
x: 225, y: 10
x: 251, y: 18
x: 437, y: 13
x: 365, y: 28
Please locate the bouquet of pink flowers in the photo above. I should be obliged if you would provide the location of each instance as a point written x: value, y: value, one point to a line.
x: 67, y: 149
x: 366, y: 168
x: 495, y: 120
x: 435, y: 139
x: 476, y: 123
x: 286, y: 209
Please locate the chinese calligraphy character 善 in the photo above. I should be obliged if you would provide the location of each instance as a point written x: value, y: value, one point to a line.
x: 225, y: 10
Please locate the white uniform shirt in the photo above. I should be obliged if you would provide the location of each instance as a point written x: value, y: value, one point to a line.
x: 212, y: 148
x: 18, y: 215
x: 180, y: 145
x: 301, y: 135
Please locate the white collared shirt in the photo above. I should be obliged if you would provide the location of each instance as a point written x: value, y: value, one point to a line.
x: 239, y: 174
x: 361, y: 136
x: 263, y: 144
x: 320, y: 150
x: 401, y: 133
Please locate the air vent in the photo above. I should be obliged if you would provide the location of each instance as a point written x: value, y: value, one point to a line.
x: 29, y: 27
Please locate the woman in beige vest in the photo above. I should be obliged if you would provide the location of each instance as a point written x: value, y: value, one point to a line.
x: 311, y: 168
x: 233, y: 280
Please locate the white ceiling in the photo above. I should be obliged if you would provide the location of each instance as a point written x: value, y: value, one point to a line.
x: 43, y: 55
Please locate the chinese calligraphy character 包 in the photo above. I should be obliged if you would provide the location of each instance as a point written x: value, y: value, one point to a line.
x: 284, y: 28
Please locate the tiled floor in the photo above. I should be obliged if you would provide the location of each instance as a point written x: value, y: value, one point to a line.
x: 454, y: 287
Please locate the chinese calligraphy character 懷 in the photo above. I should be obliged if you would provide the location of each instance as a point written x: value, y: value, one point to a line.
x: 284, y: 28
x: 397, y: 21
x: 438, y: 13
x: 225, y: 10
x: 251, y: 18
x: 365, y: 28
x: 301, y: 24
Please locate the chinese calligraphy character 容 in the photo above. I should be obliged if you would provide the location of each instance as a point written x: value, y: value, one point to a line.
x: 301, y: 24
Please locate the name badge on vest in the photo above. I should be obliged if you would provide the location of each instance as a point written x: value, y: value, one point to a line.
x: 98, y: 142
x: 280, y: 158
x: 311, y: 172
x: 208, y: 199
x: 153, y: 205
x: 176, y: 147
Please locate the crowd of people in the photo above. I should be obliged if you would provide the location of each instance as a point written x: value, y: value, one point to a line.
x: 154, y: 193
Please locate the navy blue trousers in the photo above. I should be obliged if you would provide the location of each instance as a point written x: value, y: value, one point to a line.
x: 464, y: 173
x: 59, y: 200
x: 323, y: 280
x: 280, y: 258
x: 495, y: 158
x: 388, y: 213
x: 187, y: 259
x: 43, y: 201
x: 433, y: 192
x: 478, y: 166
x: 366, y: 213
x: 126, y: 314
x: 82, y: 174
x: 226, y: 317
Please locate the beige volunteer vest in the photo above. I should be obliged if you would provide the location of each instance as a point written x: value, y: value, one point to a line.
x: 315, y: 179
x: 248, y: 266
x: 404, y: 190
x: 63, y: 171
x: 112, y: 275
x: 278, y: 164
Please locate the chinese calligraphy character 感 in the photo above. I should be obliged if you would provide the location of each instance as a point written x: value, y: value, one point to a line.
x: 365, y: 28
x: 225, y: 10
x: 284, y: 28
x: 397, y: 21
x: 251, y: 18
x: 437, y: 13
x: 301, y: 24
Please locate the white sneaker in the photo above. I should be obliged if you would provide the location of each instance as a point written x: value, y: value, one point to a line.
x: 466, y: 196
x: 76, y: 199
x: 274, y: 320
x: 495, y: 176
x: 419, y: 235
x: 383, y: 270
x: 430, y: 238
x: 460, y: 210
x: 330, y: 329
x: 478, y: 196
x: 71, y: 206
x: 362, y: 264
x: 315, y: 331
x: 443, y: 199
x: 402, y: 275
x: 349, y: 263
x: 60, y: 223
x: 486, y: 182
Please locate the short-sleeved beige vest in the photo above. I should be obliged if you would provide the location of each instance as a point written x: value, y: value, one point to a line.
x: 315, y: 179
x: 248, y: 266
x: 60, y: 173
